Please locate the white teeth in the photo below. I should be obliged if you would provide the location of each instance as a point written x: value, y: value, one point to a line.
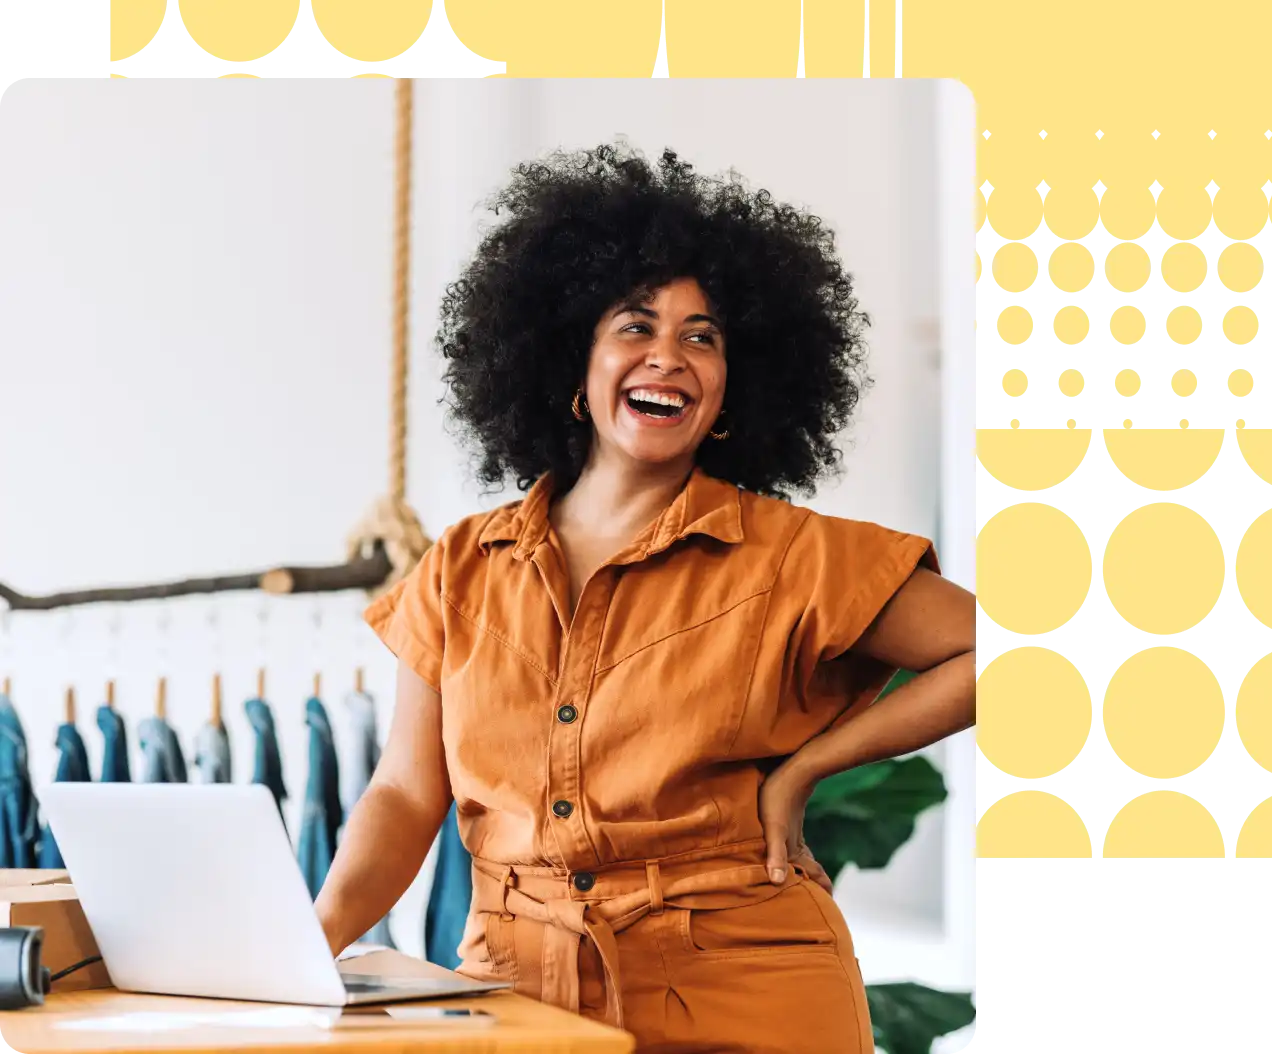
x: 662, y: 398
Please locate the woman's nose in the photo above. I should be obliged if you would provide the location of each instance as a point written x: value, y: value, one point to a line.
x: 665, y: 355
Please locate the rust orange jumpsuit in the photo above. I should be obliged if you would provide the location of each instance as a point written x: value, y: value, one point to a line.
x: 607, y: 765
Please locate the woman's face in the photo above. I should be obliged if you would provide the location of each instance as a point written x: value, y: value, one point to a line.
x: 655, y: 380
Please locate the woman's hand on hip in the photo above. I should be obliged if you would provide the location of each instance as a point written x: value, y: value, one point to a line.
x: 783, y: 798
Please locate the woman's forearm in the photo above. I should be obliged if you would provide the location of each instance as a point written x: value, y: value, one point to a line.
x: 935, y: 704
x: 383, y: 846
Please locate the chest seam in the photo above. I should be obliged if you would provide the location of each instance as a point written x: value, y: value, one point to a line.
x: 524, y: 656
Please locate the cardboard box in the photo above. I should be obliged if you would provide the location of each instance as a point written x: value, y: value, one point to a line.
x: 46, y: 899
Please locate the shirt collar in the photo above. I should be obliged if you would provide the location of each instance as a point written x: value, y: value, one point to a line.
x: 705, y: 505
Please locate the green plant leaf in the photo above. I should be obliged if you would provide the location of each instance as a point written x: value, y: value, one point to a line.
x: 863, y: 816
x: 908, y: 1017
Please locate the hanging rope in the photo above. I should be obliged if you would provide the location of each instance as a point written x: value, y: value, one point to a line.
x: 401, y: 292
x: 390, y: 522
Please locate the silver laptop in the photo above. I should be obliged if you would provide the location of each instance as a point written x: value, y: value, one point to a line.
x: 193, y: 889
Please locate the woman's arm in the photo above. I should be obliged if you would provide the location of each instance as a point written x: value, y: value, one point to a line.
x: 389, y: 832
x: 928, y: 627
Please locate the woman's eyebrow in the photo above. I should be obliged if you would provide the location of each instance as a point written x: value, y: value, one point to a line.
x: 649, y: 312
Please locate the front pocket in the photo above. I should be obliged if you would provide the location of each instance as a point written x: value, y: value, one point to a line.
x: 787, y: 923
x: 499, y: 940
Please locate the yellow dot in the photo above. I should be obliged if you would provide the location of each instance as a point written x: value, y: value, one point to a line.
x: 1240, y: 325
x: 1015, y: 423
x: 1071, y: 324
x: 978, y: 267
x: 1240, y: 423
x: 1183, y: 325
x: 133, y: 25
x: 1015, y: 268
x: 1127, y: 325
x: 1071, y: 382
x: 1183, y: 423
x: 1015, y: 382
x: 1255, y: 839
x: 1184, y: 382
x: 1021, y: 591
x: 371, y: 30
x: 239, y: 30
x: 1254, y: 568
x: 1127, y: 267
x: 1254, y: 712
x: 1240, y: 268
x: 1163, y: 712
x: 1126, y: 423
x: 1163, y: 824
x: 1183, y: 267
x: 1163, y: 568
x: 1240, y: 382
x: 1033, y: 712
x: 1031, y: 824
x: 1071, y: 267
x: 1071, y: 423
x: 1014, y: 324
x: 1127, y: 383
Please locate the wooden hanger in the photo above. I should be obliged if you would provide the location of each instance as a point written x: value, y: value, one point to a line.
x: 161, y: 700
x: 317, y: 686
x: 110, y: 695
x: 216, y: 700
x: 357, y: 680
x: 8, y: 686
x: 70, y: 706
x: 260, y: 683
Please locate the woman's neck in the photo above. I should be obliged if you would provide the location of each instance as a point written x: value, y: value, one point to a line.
x: 616, y: 498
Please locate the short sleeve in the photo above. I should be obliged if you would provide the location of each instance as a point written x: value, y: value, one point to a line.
x: 408, y: 618
x: 850, y: 569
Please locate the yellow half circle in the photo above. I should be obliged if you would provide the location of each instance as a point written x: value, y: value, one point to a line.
x: 1163, y: 824
x: 1255, y: 838
x: 1163, y: 458
x: 1256, y: 448
x: 1032, y: 824
x: 1031, y: 458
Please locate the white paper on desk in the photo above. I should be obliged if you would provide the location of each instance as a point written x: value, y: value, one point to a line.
x: 355, y: 951
x: 171, y: 1021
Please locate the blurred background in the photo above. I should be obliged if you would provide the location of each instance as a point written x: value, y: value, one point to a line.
x: 195, y: 313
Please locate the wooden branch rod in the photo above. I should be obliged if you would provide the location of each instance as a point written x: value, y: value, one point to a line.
x: 363, y: 573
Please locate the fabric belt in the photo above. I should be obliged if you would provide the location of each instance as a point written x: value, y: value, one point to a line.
x: 622, y: 894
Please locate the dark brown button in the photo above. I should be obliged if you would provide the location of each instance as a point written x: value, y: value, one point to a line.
x: 584, y: 880
x: 562, y: 808
x: 566, y: 714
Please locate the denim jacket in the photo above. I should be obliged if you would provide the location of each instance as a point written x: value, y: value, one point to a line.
x: 322, y: 814
x: 19, y: 826
x: 268, y: 763
x: 114, y: 746
x: 162, y: 759
x: 72, y: 767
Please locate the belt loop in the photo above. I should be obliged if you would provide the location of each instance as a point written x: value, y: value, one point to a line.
x: 655, y: 887
x: 508, y: 882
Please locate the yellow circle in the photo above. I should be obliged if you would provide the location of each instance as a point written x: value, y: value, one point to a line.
x: 1015, y: 325
x: 1240, y: 325
x: 1031, y: 824
x: 1033, y: 712
x: 1255, y: 839
x: 133, y: 25
x: 1071, y: 324
x: 371, y: 30
x: 1254, y: 712
x: 1126, y: 423
x: 1163, y: 568
x: 1017, y: 587
x: 1183, y: 325
x: 1127, y: 383
x: 1183, y: 423
x: 1015, y: 267
x: 1184, y: 382
x: 1163, y: 824
x: 1240, y: 423
x: 1240, y: 382
x: 239, y: 30
x: 1127, y: 325
x: 1240, y: 268
x: 1015, y: 382
x: 1015, y: 423
x: 1071, y: 382
x: 1071, y: 267
x: 1127, y: 267
x: 1183, y: 267
x: 1163, y: 712
x: 1071, y: 423
x: 978, y: 267
x: 1254, y: 568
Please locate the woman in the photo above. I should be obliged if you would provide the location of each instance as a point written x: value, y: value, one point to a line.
x: 631, y: 680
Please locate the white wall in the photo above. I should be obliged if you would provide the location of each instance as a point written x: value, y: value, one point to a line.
x: 194, y: 342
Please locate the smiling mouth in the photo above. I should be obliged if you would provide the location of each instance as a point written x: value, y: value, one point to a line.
x: 657, y: 404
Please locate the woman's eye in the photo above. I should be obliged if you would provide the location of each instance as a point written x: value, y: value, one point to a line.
x: 703, y: 338
x: 636, y: 327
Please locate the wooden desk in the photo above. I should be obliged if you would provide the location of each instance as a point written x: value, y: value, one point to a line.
x: 523, y: 1025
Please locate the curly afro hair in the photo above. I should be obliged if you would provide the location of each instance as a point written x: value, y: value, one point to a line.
x: 578, y: 232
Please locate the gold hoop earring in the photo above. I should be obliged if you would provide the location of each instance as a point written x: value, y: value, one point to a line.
x: 719, y: 435
x: 579, y: 407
